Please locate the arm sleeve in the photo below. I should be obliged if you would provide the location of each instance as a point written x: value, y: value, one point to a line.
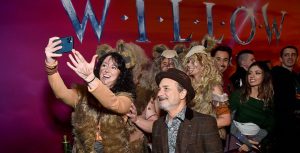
x: 234, y: 101
x: 118, y: 103
x: 270, y: 121
x: 155, y: 138
x: 68, y: 96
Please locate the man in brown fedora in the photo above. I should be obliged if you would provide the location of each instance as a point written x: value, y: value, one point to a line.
x: 182, y: 129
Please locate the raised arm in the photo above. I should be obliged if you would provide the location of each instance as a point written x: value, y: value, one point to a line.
x: 118, y: 103
x: 68, y: 96
x: 142, y: 121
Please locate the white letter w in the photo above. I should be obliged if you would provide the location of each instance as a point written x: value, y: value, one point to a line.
x: 88, y: 13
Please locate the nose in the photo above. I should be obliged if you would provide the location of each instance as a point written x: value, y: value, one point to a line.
x: 159, y: 92
x: 222, y: 62
x: 107, y: 69
x: 189, y: 65
x: 251, y: 76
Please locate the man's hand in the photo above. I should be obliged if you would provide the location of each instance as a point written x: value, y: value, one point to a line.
x: 132, y: 114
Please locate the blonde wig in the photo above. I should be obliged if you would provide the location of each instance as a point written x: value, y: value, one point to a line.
x: 210, y: 77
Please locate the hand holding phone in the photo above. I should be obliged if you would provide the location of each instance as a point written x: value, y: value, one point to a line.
x: 67, y: 44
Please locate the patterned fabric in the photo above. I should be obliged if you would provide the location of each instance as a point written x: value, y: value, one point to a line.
x: 197, y: 133
x: 173, y: 126
x: 206, y: 106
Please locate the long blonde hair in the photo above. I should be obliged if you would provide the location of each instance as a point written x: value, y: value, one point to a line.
x: 210, y: 77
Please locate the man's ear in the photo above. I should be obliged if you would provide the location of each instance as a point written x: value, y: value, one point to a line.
x: 230, y: 61
x: 183, y: 94
x: 242, y: 63
x: 280, y: 59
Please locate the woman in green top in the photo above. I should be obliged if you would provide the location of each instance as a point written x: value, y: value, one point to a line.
x: 253, y: 118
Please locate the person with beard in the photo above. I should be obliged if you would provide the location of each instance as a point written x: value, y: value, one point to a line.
x: 144, y: 118
x: 182, y: 129
x: 222, y: 58
x: 286, y: 104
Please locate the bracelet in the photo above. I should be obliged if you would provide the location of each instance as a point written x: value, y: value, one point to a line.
x: 51, y: 69
x: 91, y: 80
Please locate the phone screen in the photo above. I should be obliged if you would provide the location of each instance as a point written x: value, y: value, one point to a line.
x: 66, y: 43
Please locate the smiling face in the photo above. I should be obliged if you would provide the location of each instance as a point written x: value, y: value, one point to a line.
x: 166, y: 63
x: 255, y: 76
x: 168, y: 94
x: 193, y: 66
x: 222, y: 60
x: 109, y: 72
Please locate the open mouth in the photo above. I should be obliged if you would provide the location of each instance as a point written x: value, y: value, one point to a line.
x: 105, y: 77
x: 161, y: 98
x: 252, y: 80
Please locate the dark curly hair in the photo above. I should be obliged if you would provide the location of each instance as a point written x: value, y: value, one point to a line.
x: 124, y: 82
x: 223, y: 48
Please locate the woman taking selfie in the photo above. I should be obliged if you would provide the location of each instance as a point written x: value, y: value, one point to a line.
x: 100, y: 105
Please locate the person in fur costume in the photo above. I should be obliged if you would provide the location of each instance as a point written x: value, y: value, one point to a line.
x: 168, y: 59
x: 102, y: 49
x: 158, y: 49
x: 181, y: 50
x: 207, y: 82
x: 100, y: 105
x: 144, y: 117
x: 138, y: 62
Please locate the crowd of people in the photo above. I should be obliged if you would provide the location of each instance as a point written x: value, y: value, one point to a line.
x: 179, y: 101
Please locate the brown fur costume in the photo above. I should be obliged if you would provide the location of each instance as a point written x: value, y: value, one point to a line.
x: 158, y: 49
x: 137, y: 61
x: 114, y: 128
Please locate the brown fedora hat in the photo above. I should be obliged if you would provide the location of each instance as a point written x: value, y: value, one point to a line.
x: 179, y: 76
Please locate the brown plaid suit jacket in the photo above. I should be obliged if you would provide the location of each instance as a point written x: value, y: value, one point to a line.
x: 198, y: 133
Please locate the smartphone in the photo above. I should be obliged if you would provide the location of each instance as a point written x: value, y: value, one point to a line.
x: 67, y: 44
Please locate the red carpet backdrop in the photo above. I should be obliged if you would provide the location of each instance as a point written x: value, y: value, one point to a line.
x: 33, y: 121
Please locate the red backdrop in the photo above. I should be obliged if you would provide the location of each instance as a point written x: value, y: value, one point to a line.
x: 33, y: 121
